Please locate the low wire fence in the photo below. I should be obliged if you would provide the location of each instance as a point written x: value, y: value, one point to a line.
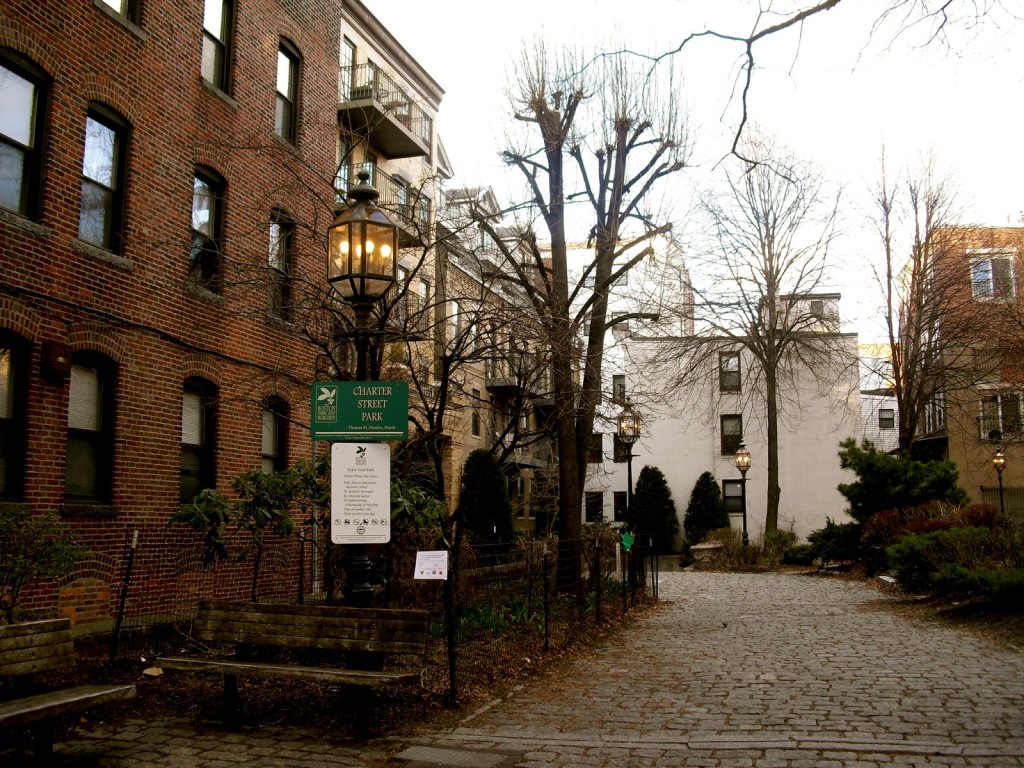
x: 501, y: 611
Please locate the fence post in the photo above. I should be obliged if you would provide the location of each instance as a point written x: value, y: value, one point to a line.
x: 115, y: 635
x: 597, y: 577
x: 625, y: 584
x: 547, y: 602
x: 302, y: 567
x: 449, y: 631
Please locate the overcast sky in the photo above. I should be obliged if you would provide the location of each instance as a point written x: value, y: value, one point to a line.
x: 834, y: 94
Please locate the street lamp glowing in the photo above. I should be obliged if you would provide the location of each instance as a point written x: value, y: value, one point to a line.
x: 362, y: 265
x: 742, y: 459
x: 999, y: 463
x: 743, y: 464
x: 362, y: 247
x: 629, y: 424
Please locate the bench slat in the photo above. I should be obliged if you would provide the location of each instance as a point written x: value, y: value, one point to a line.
x: 395, y: 631
x: 364, y: 678
x: 322, y: 611
x: 32, y: 709
x: 36, y: 646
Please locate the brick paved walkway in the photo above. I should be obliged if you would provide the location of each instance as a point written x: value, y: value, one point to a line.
x: 734, y: 670
x: 771, y: 671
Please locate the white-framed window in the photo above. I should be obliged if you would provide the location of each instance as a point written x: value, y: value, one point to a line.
x: 619, y: 388
x: 454, y: 321
x: 729, y: 372
x: 732, y: 496
x: 993, y: 276
x: 1000, y: 416
x: 732, y: 433
x: 935, y: 413
x: 886, y: 418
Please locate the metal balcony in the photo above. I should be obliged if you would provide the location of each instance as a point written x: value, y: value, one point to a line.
x: 409, y: 206
x: 372, y: 104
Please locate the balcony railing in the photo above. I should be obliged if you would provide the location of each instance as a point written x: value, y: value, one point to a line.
x: 367, y: 87
x: 396, y: 196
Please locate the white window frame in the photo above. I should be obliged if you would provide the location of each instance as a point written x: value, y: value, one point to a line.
x: 985, y: 283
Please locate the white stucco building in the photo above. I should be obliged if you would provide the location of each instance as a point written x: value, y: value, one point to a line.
x: 696, y: 427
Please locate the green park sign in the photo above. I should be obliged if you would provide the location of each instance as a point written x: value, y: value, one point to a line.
x: 360, y: 410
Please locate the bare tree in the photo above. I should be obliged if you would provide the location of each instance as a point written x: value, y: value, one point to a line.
x: 935, y: 22
x: 758, y: 290
x: 602, y: 142
x: 921, y: 279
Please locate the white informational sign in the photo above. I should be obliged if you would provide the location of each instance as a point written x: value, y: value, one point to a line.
x: 360, y: 493
x: 432, y: 565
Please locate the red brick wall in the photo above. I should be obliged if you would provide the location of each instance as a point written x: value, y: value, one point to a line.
x: 138, y: 309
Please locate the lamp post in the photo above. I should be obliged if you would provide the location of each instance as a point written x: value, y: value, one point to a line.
x: 743, y: 464
x: 362, y: 266
x: 999, y: 463
x: 629, y: 433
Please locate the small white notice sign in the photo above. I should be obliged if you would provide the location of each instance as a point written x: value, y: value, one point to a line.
x: 360, y: 493
x: 432, y: 565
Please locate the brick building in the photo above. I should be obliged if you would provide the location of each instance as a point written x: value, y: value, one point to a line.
x: 977, y: 409
x: 167, y: 175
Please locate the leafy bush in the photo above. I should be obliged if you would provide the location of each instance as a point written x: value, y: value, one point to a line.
x: 799, y: 554
x: 652, y: 512
x: 886, y: 482
x: 484, y: 507
x: 917, y: 558
x: 776, y: 544
x: 835, y: 543
x: 980, y: 515
x: 734, y: 555
x: 705, y: 510
x: 1002, y: 587
x: 33, y: 548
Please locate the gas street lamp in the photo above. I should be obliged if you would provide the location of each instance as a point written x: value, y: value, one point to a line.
x: 362, y: 266
x: 999, y: 464
x: 629, y: 433
x: 362, y: 260
x: 743, y: 464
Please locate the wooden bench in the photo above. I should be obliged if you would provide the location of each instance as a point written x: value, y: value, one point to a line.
x: 44, y: 646
x: 354, y: 642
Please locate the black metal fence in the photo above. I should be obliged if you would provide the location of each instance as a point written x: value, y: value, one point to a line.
x: 500, y: 612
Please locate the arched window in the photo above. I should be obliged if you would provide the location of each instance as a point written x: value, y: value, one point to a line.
x: 24, y: 89
x: 89, y: 465
x: 14, y: 358
x: 279, y: 261
x: 103, y: 173
x: 274, y: 450
x: 198, y: 438
x: 208, y: 190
